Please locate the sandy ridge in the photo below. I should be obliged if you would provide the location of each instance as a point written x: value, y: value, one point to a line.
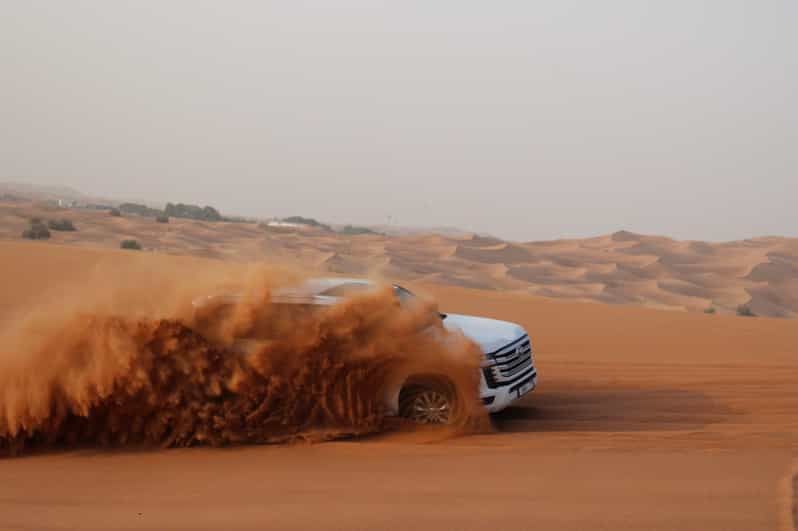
x: 621, y: 268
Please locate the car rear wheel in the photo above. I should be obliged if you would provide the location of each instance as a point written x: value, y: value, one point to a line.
x: 428, y: 401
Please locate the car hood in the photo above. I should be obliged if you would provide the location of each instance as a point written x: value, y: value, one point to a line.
x: 489, y: 334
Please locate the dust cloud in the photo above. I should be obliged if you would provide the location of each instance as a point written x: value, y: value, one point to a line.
x: 126, y: 359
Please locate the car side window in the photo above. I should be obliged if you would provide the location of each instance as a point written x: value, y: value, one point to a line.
x: 403, y: 294
x: 346, y: 290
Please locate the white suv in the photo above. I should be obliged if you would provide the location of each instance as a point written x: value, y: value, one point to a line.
x: 507, y: 369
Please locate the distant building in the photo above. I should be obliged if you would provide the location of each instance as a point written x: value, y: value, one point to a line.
x: 67, y: 203
x: 285, y: 224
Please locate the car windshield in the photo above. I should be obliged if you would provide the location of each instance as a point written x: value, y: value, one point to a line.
x: 403, y: 294
x: 406, y: 296
x: 354, y: 288
x: 348, y: 289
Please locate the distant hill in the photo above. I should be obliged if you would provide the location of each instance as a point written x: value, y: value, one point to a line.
x: 40, y: 192
x: 757, y: 276
x: 400, y: 230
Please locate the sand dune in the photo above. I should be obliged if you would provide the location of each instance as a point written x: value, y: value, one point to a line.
x: 621, y: 268
x: 644, y: 420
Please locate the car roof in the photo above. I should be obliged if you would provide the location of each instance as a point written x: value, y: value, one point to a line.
x: 314, y: 288
x: 318, y: 286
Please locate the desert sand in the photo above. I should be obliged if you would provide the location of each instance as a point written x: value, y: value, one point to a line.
x: 621, y: 268
x: 644, y: 419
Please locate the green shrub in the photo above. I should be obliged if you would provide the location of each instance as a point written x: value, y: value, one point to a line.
x: 310, y: 222
x: 115, y: 212
x: 162, y: 219
x: 139, y: 210
x: 130, y: 244
x: 353, y: 230
x: 61, y: 224
x: 36, y: 231
x: 710, y: 310
x: 744, y: 310
x: 181, y: 210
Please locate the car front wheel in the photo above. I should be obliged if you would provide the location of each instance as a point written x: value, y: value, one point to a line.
x: 428, y: 402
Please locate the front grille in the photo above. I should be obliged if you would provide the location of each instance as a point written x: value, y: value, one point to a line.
x: 509, y: 364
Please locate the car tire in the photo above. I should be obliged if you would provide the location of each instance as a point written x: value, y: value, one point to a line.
x: 429, y: 400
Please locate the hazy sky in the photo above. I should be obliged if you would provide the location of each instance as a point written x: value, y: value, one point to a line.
x: 529, y: 120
